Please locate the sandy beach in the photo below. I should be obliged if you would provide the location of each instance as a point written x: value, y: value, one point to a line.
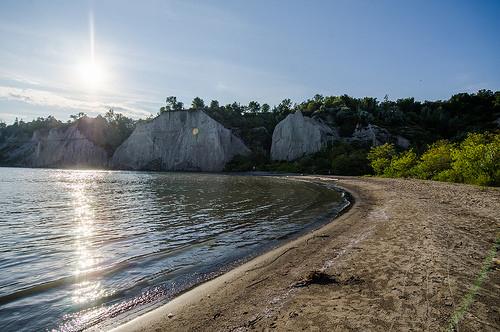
x: 408, y: 255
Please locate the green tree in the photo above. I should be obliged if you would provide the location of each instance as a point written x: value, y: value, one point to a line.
x: 236, y: 108
x: 285, y: 106
x: 477, y: 160
x: 214, y: 105
x: 435, y: 160
x: 173, y: 104
x: 110, y: 115
x: 265, y: 108
x: 349, y: 159
x: 76, y: 117
x: 402, y: 165
x: 197, y: 103
x: 253, y: 107
x: 318, y: 98
x: 380, y: 157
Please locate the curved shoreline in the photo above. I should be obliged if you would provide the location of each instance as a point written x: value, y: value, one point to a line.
x: 122, y: 320
x: 400, y: 258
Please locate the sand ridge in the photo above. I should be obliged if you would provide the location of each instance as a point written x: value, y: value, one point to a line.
x: 405, y: 257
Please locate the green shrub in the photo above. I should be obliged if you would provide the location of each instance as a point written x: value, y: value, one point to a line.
x: 351, y: 163
x: 435, y: 160
x: 380, y: 157
x: 477, y: 160
x: 448, y: 175
x: 402, y: 165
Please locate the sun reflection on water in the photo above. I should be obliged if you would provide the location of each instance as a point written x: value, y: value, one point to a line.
x: 88, y: 287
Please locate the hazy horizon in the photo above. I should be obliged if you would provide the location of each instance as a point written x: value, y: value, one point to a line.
x: 59, y: 58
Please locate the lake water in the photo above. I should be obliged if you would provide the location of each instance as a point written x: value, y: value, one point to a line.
x: 80, y: 247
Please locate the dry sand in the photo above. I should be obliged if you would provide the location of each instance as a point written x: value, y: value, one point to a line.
x: 409, y: 255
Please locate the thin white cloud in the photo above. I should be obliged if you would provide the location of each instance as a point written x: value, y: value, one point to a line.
x: 19, y: 79
x: 51, y: 99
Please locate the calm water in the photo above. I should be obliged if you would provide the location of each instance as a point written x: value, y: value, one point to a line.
x: 80, y: 247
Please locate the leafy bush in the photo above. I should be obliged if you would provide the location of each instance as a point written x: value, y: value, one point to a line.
x: 349, y: 159
x: 476, y: 160
x: 435, y: 160
x: 251, y: 162
x: 402, y: 165
x: 380, y: 157
x: 338, y: 158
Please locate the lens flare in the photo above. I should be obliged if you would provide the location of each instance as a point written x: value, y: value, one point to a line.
x: 91, y: 73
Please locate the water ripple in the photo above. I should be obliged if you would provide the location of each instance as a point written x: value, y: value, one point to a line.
x: 80, y: 247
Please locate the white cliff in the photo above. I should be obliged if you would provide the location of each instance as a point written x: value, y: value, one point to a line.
x: 57, y: 147
x: 179, y: 141
x: 296, y: 136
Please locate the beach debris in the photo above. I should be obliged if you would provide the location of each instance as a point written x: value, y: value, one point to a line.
x: 321, y: 236
x: 257, y: 282
x: 353, y: 280
x: 496, y: 264
x: 170, y: 315
x: 274, y: 260
x: 316, y: 277
x: 253, y: 321
x: 323, y: 278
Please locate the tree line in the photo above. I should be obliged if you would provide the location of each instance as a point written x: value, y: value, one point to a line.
x: 421, y: 122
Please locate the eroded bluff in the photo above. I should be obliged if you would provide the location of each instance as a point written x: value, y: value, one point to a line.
x: 179, y: 141
x: 57, y: 147
x: 297, y: 136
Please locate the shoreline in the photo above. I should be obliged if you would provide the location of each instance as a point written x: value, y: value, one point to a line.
x: 121, y: 322
x: 402, y: 257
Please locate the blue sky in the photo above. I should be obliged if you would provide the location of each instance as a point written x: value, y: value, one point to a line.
x: 238, y: 50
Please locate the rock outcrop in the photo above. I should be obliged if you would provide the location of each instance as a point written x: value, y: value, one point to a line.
x: 402, y: 142
x: 375, y: 136
x: 497, y: 122
x: 179, y: 141
x: 372, y: 134
x: 57, y: 147
x: 296, y: 136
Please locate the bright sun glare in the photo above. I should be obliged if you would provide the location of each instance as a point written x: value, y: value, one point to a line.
x: 91, y: 73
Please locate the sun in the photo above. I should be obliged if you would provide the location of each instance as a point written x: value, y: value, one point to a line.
x: 92, y: 75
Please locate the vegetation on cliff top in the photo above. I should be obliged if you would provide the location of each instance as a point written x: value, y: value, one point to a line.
x: 425, y: 124
x: 107, y: 131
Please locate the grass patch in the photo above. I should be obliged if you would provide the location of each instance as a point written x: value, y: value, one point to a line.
x: 468, y: 299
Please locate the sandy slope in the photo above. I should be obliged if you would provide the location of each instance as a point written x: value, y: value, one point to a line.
x: 404, y: 257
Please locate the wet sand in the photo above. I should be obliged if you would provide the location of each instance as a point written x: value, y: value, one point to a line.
x: 408, y: 255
